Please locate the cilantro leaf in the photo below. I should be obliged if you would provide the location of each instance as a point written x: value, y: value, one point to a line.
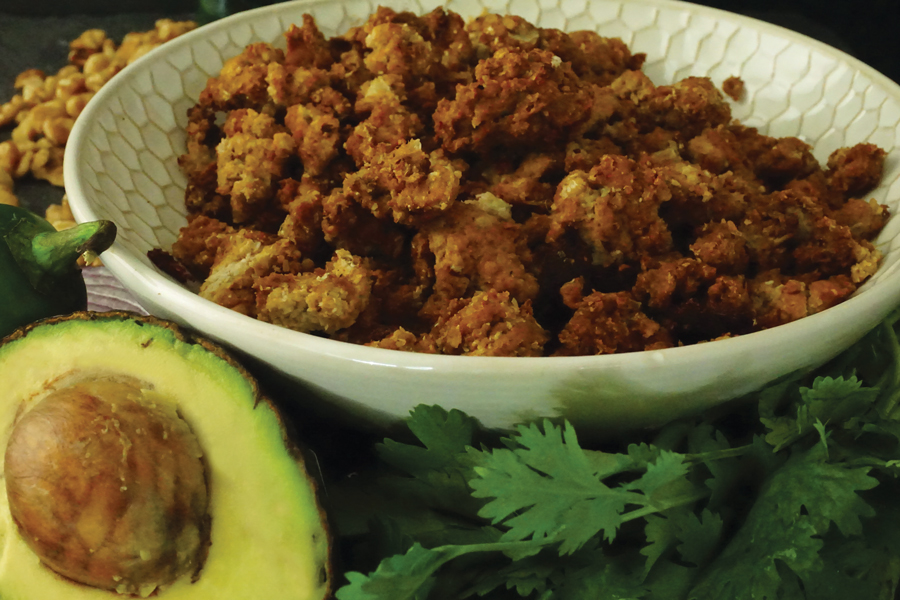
x: 606, y: 464
x: 546, y: 490
x: 748, y: 569
x: 591, y: 573
x: 837, y: 400
x: 852, y: 570
x: 699, y: 536
x: 600, y: 584
x: 833, y: 401
x: 667, y: 469
x: 642, y: 455
x: 445, y: 436
x: 440, y: 467
x: 695, y: 538
x: 826, y: 492
x: 670, y: 581
x: 527, y: 575
x: 661, y: 537
x: 411, y: 575
x: 406, y: 576
x: 783, y: 529
x: 665, y: 486
x: 732, y: 471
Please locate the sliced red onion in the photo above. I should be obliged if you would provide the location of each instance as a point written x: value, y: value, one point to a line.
x: 105, y: 293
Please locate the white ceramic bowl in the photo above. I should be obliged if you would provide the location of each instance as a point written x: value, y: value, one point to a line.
x: 120, y: 164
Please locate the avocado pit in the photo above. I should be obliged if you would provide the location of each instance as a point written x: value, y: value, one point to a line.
x: 106, y: 484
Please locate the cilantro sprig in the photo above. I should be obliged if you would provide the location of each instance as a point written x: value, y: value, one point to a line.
x: 776, y: 502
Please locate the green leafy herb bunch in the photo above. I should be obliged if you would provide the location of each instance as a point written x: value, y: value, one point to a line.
x: 791, y: 494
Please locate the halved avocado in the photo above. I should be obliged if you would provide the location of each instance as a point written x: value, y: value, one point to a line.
x: 264, y: 534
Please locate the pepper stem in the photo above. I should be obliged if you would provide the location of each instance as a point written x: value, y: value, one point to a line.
x: 55, y: 252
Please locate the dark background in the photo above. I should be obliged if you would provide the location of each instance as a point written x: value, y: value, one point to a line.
x: 36, y: 34
x: 867, y: 29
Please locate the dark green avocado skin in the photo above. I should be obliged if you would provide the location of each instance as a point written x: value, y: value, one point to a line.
x: 20, y: 302
x: 23, y: 305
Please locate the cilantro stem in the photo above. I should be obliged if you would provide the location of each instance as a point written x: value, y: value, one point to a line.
x: 869, y: 461
x: 657, y: 507
x: 702, y: 457
x: 887, y: 404
x: 457, y: 551
x: 450, y: 551
x: 891, y: 319
x: 406, y: 576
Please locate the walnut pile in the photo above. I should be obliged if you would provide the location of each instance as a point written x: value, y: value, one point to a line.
x: 490, y: 187
x: 43, y: 111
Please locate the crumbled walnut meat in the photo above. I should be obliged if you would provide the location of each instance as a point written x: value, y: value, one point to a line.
x: 424, y: 184
x: 734, y: 88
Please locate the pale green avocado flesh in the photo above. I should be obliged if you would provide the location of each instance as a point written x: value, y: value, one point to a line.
x: 268, y: 537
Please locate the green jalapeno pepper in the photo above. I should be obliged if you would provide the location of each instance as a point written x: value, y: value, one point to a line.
x: 39, y: 274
